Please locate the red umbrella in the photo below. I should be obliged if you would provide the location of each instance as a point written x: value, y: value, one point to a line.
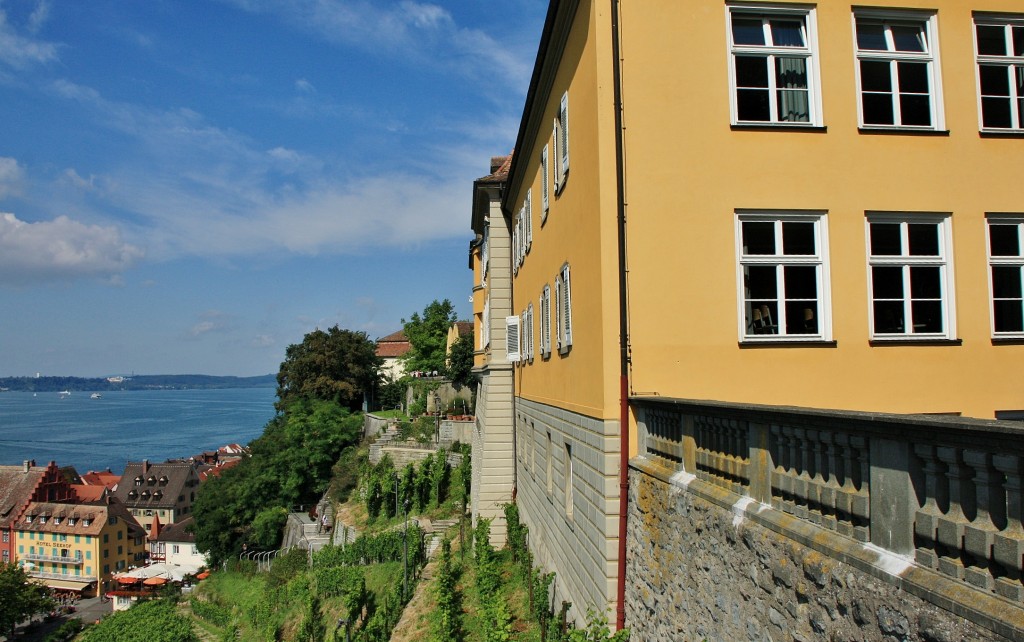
x: 203, y: 575
x: 154, y: 581
x: 127, y: 579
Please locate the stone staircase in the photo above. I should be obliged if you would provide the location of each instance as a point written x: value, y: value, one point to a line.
x: 434, y: 532
x: 377, y: 447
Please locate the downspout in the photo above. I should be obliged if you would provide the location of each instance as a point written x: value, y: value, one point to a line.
x: 620, y: 606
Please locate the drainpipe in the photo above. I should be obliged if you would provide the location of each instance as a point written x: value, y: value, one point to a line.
x: 620, y: 605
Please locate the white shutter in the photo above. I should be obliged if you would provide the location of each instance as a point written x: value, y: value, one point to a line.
x: 485, y: 328
x: 567, y: 307
x: 529, y: 332
x: 485, y: 253
x: 515, y: 247
x: 544, y: 189
x: 557, y: 329
x: 528, y: 209
x: 563, y: 118
x: 512, y: 338
x: 545, y: 321
x: 556, y: 145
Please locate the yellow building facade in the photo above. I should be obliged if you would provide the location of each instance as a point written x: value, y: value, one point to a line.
x: 812, y: 205
x: 78, y: 547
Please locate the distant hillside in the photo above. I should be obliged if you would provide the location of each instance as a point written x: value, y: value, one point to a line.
x: 138, y: 382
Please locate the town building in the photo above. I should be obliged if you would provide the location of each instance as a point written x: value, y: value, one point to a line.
x: 158, y: 491
x: 787, y: 204
x: 391, y: 349
x: 175, y: 545
x: 78, y: 547
x: 20, y: 486
x: 489, y: 258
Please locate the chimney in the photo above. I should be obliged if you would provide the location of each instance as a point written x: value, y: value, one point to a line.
x: 145, y: 466
x: 26, y: 465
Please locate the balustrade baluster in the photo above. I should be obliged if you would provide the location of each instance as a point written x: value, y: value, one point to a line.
x: 814, y: 477
x: 1008, y: 544
x: 860, y: 501
x: 926, y: 519
x: 980, y: 533
x: 803, y: 478
x: 951, y: 525
x: 829, y: 493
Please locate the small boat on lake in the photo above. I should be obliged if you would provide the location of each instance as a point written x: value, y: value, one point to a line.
x: 64, y: 393
x: 95, y: 395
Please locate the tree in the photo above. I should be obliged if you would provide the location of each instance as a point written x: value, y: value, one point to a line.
x: 429, y: 336
x: 336, y: 365
x: 19, y: 598
x: 460, y: 362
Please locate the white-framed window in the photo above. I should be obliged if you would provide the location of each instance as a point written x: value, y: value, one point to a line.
x: 485, y: 325
x: 545, y: 322
x: 773, y: 71
x: 897, y: 70
x: 526, y: 334
x: 560, y: 139
x: 782, y: 276
x: 563, y: 310
x: 1006, y: 274
x: 909, y: 277
x: 528, y: 221
x: 485, y: 253
x: 999, y: 49
x: 545, y: 186
x: 512, y: 339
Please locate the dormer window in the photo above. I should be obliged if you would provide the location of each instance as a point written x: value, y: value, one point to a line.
x: 28, y: 519
x: 139, y: 480
x: 86, y: 521
x: 145, y: 494
x: 133, y: 494
x: 42, y: 519
x: 163, y: 480
x: 56, y: 520
x: 151, y: 480
x: 158, y: 494
x: 72, y: 520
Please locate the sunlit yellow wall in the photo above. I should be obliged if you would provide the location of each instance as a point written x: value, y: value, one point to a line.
x: 580, y: 229
x: 688, y: 171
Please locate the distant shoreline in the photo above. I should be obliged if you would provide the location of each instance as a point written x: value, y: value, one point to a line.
x: 136, y: 382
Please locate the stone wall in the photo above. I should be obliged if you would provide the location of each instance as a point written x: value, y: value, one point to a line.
x: 699, y: 571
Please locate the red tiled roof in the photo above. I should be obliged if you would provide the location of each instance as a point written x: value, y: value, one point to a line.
x: 16, y: 486
x: 394, y: 336
x: 86, y: 493
x: 499, y: 169
x: 393, y: 349
x: 101, y: 478
x: 464, y: 327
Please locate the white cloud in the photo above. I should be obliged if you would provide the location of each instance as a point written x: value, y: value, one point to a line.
x: 60, y: 250
x: 420, y: 31
x: 305, y: 86
x: 211, y: 321
x: 20, y: 52
x: 12, y: 176
x: 39, y: 16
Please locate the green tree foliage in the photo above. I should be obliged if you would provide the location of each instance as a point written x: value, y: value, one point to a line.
x: 428, y: 335
x: 19, y: 598
x: 290, y: 466
x: 460, y: 362
x: 440, y: 474
x: 597, y: 630
x: 313, y: 628
x: 336, y: 365
x: 154, y: 621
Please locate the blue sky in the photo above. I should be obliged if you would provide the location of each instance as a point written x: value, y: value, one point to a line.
x: 190, y: 186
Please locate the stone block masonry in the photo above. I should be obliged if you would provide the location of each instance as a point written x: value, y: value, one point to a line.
x: 699, y: 571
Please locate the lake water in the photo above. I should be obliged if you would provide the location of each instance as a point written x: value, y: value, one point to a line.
x: 123, y: 426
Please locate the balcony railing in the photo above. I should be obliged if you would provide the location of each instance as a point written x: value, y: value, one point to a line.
x: 54, y: 559
x: 942, y: 492
x: 61, y: 576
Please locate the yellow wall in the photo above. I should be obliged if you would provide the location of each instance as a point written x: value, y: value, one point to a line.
x: 688, y: 171
x: 573, y: 232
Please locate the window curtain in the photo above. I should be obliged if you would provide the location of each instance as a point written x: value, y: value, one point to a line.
x: 793, y: 97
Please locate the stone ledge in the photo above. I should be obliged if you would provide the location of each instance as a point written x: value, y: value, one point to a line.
x: 989, y: 611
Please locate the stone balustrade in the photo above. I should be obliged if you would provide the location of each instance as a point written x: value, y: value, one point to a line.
x: 942, y: 493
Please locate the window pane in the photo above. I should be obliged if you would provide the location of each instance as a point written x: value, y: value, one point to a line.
x: 1008, y: 316
x: 913, y: 77
x: 995, y: 80
x: 878, y: 109
x: 887, y: 282
x: 763, y: 318
x: 787, y: 33
x: 885, y: 239
x: 793, y: 106
x: 925, y: 282
x: 761, y: 283
x: 751, y: 71
x: 1006, y: 282
x: 801, y: 282
x: 747, y: 31
x: 871, y: 36
x: 927, y: 316
x: 923, y: 239
x: 991, y: 40
x: 752, y: 105
x: 800, y: 317
x: 758, y: 237
x: 1004, y: 240
x: 875, y: 76
x: 798, y: 238
x: 888, y: 316
x: 995, y: 112
x: 1018, y: 41
x: 908, y: 38
x: 915, y: 109
x: 791, y: 72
